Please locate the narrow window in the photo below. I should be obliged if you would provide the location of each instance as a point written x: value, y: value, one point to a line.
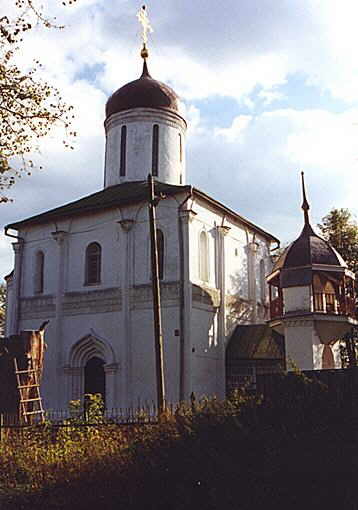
x: 180, y: 148
x: 160, y: 248
x: 155, y: 148
x: 203, y: 257
x: 93, y: 264
x: 122, y: 168
x: 39, y: 272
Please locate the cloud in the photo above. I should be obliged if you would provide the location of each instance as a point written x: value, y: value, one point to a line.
x: 243, y: 50
x: 253, y: 166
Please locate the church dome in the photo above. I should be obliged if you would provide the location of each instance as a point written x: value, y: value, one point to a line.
x: 307, y: 250
x: 145, y: 92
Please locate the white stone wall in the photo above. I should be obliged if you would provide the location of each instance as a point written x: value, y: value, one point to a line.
x: 297, y: 299
x: 140, y: 122
x: 114, y: 320
x: 300, y: 338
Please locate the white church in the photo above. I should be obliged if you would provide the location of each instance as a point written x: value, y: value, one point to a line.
x: 85, y: 266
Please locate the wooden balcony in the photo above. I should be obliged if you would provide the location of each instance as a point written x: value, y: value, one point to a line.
x: 276, y: 307
x: 334, y: 305
x: 326, y: 303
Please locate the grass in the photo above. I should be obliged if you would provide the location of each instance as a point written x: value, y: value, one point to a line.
x: 298, y: 448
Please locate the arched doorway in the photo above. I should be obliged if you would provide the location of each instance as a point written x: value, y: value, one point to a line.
x: 94, y: 377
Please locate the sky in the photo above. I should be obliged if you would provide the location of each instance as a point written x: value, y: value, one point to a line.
x: 269, y: 88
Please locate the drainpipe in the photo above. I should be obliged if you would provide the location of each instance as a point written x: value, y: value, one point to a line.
x: 18, y: 250
x: 184, y: 337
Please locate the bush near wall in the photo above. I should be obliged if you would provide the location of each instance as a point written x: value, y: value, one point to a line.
x: 296, y: 449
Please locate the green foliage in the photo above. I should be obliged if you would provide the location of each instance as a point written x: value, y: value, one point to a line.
x: 341, y: 230
x: 245, y: 452
x: 30, y: 107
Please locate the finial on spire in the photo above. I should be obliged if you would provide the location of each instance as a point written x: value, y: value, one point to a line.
x: 305, y: 204
x: 146, y: 27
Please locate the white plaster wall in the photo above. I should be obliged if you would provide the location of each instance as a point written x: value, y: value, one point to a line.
x: 207, y: 362
x: 104, y: 229
x: 9, y: 305
x: 167, y: 222
x: 39, y: 238
x: 317, y: 350
x: 337, y: 355
x: 299, y: 341
x: 297, y: 299
x: 140, y: 122
x: 143, y: 353
x: 236, y: 264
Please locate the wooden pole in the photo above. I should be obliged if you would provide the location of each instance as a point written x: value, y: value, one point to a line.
x: 158, y: 334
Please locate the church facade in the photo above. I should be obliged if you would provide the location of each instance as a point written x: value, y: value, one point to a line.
x: 85, y: 266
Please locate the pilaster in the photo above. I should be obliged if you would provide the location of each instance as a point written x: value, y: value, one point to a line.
x: 251, y: 251
x: 126, y: 390
x: 18, y: 251
x: 60, y: 237
x: 222, y: 232
x: 186, y: 297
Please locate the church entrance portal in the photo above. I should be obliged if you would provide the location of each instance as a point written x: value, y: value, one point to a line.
x: 95, y: 377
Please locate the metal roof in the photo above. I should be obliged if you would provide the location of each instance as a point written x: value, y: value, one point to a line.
x: 125, y: 194
x: 255, y: 341
x: 145, y: 92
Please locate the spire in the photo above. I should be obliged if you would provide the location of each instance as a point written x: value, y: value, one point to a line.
x: 145, y: 72
x: 305, y: 204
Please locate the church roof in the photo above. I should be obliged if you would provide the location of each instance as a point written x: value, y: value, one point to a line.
x: 128, y: 193
x: 309, y: 249
x: 145, y: 92
x: 255, y: 341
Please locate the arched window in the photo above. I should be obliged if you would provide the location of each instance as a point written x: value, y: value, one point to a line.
x: 155, y: 149
x: 160, y: 249
x: 330, y: 295
x: 95, y: 377
x: 93, y: 264
x: 122, y: 167
x: 39, y: 272
x: 203, y: 257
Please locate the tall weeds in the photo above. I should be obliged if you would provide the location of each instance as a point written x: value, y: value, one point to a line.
x: 245, y: 453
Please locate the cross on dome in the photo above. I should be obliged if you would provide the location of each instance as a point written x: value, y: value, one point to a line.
x: 146, y: 28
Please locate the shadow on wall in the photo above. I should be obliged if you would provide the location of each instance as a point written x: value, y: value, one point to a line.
x: 240, y: 309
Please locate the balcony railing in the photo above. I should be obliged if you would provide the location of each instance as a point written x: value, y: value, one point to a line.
x: 327, y: 303
x: 331, y: 304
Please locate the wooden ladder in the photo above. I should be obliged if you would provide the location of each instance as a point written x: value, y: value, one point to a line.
x: 30, y: 403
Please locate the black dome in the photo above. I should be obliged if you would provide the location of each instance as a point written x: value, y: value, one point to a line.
x: 143, y: 93
x: 309, y: 249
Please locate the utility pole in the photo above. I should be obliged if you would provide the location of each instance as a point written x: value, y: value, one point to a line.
x: 158, y: 334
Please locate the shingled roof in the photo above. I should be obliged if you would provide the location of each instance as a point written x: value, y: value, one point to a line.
x: 127, y: 193
x: 117, y: 195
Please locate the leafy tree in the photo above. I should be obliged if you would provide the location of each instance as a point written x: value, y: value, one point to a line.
x: 341, y: 230
x: 29, y: 106
x: 2, y: 308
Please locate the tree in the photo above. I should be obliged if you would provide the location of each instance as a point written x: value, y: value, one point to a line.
x: 341, y: 230
x: 29, y: 106
x: 2, y: 308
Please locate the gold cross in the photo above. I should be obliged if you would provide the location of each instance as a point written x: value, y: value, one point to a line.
x: 144, y: 21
